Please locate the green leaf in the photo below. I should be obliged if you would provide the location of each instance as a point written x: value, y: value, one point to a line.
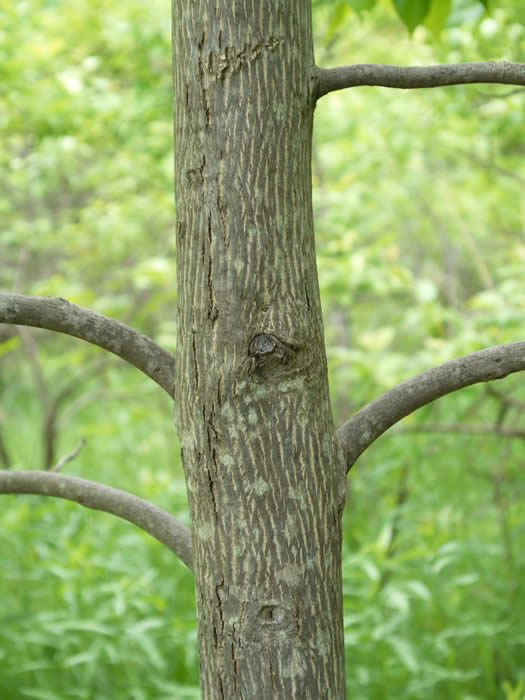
x: 412, y: 12
x: 338, y: 16
x: 405, y: 652
x: 438, y: 15
x: 38, y: 693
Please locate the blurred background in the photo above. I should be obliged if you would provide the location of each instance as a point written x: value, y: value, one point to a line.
x: 420, y: 223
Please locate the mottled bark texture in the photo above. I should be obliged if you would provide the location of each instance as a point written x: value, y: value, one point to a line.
x: 264, y: 469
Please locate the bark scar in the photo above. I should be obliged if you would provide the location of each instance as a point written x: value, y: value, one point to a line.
x: 220, y: 65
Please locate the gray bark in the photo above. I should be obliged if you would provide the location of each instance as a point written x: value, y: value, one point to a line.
x: 264, y: 470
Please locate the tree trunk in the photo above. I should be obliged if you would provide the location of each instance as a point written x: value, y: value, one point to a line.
x: 264, y: 470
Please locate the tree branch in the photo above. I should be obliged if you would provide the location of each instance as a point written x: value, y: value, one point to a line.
x: 4, y: 454
x: 505, y: 400
x: 67, y: 458
x: 57, y: 314
x: 396, y: 403
x: 483, y: 430
x: 155, y: 521
x: 406, y: 77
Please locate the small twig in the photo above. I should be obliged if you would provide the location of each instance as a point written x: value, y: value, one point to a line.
x: 85, y: 399
x: 402, y: 495
x: 466, y: 429
x: 478, y: 259
x: 67, y: 458
x: 488, y: 165
x: 4, y: 454
x: 48, y: 427
x: 92, y: 367
x: 473, y: 407
x: 507, y: 400
x: 487, y: 97
x: 31, y: 350
x: 449, y: 289
x: 500, y: 418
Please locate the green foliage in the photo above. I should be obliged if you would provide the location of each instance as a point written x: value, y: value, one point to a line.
x: 412, y: 12
x: 419, y: 221
x: 416, y: 267
x: 359, y: 5
x: 437, y: 16
x: 434, y: 14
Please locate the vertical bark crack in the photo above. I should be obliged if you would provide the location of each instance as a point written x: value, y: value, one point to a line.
x: 219, y: 393
x: 213, y: 312
x: 195, y: 362
x: 220, y: 207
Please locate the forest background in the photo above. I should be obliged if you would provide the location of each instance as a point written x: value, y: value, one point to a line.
x: 420, y: 222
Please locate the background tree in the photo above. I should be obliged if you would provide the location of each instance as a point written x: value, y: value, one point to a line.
x: 261, y: 366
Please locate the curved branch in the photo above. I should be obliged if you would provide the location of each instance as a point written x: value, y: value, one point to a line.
x: 157, y: 522
x: 380, y: 414
x: 57, y: 314
x: 483, y: 430
x: 406, y: 77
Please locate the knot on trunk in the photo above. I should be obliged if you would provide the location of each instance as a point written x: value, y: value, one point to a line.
x: 270, y: 623
x: 269, y: 356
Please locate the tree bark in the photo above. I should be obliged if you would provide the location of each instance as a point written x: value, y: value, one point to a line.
x: 264, y: 469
